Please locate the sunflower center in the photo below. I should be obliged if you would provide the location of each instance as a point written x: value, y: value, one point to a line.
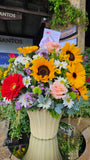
x: 13, y: 86
x: 74, y: 75
x: 71, y: 58
x: 43, y: 70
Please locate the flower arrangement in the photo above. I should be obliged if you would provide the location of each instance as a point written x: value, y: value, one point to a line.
x: 49, y: 77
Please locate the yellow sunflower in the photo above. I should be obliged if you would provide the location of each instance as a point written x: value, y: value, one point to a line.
x: 27, y: 50
x: 71, y: 53
x: 76, y: 75
x: 43, y: 70
x: 82, y: 91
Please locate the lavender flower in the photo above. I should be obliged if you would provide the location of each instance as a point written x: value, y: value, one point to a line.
x: 18, y: 106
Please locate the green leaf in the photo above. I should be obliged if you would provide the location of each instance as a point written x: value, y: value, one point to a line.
x: 58, y: 108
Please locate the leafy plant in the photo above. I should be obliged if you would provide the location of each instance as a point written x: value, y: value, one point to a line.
x: 64, y: 13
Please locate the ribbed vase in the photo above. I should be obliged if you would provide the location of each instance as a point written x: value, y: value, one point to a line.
x: 42, y: 125
x: 43, y: 149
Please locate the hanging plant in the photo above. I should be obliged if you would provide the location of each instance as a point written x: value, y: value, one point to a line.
x: 64, y: 13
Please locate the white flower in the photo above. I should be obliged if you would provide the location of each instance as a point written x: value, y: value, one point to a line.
x: 67, y: 101
x: 23, y: 102
x: 22, y: 60
x: 61, y: 80
x: 26, y: 81
x: 57, y: 63
x: 6, y: 101
x: 36, y: 56
x: 45, y: 105
x: 62, y: 65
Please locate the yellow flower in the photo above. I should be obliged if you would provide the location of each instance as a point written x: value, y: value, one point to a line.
x: 27, y: 65
x: 58, y: 71
x: 0, y: 72
x: 27, y: 50
x: 5, y: 73
x: 9, y: 66
x: 71, y: 53
x: 43, y: 70
x: 76, y: 75
x: 83, y: 91
x: 23, y: 149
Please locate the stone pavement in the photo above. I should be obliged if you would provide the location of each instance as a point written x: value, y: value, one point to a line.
x: 4, y: 152
x: 82, y: 125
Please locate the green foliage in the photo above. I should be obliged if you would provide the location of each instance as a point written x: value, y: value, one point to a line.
x: 84, y: 109
x: 19, y: 121
x: 68, y: 144
x: 65, y: 13
x: 54, y: 114
x: 86, y: 62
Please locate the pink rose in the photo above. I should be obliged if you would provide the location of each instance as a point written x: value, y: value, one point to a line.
x: 12, y: 55
x: 53, y: 46
x: 58, y: 90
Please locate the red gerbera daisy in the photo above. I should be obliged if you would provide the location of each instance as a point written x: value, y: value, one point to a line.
x: 12, y: 86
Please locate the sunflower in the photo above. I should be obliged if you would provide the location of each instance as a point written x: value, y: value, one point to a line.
x: 82, y: 91
x: 27, y: 50
x: 76, y: 75
x: 43, y: 70
x: 71, y: 53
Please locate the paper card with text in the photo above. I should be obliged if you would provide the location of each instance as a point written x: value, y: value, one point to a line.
x: 52, y: 34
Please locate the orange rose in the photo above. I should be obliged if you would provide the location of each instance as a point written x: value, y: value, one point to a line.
x: 53, y: 47
x: 58, y: 90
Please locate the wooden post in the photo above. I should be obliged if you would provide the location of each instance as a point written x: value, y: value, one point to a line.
x: 81, y: 33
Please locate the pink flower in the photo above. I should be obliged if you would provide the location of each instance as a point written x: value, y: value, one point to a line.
x: 88, y: 79
x: 85, y: 57
x: 12, y: 55
x: 52, y: 46
x: 58, y: 90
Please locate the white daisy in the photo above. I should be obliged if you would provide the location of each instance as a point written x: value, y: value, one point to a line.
x: 25, y: 60
x: 62, y: 65
x: 67, y: 101
x: 57, y: 63
x: 26, y: 81
x: 46, y: 104
x: 22, y: 60
x: 36, y: 56
x: 61, y: 80
x: 23, y: 102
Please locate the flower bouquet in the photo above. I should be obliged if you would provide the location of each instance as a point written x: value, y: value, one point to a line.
x: 46, y: 81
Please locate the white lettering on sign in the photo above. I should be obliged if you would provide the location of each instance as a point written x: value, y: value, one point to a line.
x: 8, y: 14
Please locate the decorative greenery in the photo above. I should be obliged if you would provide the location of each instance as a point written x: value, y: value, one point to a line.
x: 69, y: 142
x: 19, y: 121
x: 64, y: 13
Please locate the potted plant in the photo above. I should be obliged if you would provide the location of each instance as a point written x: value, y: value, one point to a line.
x: 45, y: 82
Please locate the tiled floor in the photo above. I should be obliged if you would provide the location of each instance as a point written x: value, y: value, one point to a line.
x: 82, y: 125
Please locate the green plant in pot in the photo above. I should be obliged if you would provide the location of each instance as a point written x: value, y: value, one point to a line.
x: 65, y: 14
x: 43, y: 83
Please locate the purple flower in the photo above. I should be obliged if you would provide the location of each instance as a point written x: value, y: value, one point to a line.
x: 30, y: 106
x: 18, y: 106
x: 1, y: 103
x: 32, y: 86
x: 28, y: 71
x: 44, y: 53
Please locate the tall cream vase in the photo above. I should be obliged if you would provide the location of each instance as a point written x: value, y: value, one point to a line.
x: 42, y: 124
